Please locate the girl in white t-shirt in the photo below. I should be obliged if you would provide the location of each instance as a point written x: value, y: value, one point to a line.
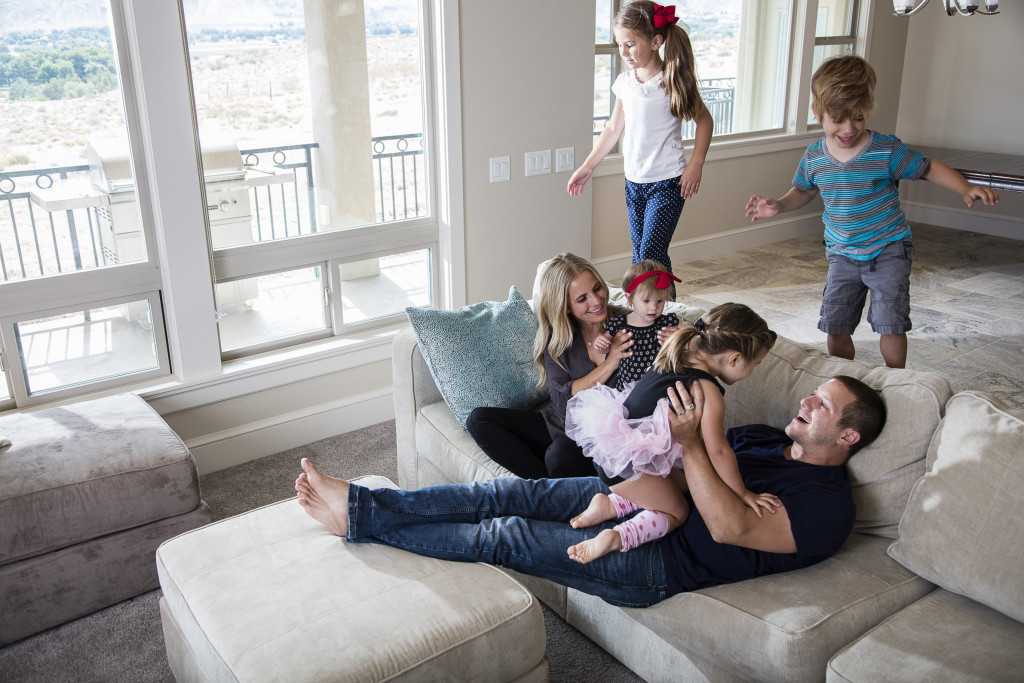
x: 653, y: 98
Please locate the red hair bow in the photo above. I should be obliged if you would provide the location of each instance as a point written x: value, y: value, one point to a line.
x: 664, y: 280
x: 663, y: 16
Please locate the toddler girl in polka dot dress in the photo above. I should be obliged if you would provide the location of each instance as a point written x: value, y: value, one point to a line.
x: 647, y: 286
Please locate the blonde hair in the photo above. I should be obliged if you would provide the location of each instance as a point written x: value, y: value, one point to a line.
x: 728, y: 327
x: 556, y: 324
x: 645, y: 288
x: 680, y: 69
x: 843, y: 87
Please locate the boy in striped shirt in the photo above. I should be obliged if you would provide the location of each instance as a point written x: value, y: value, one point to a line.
x: 867, y: 238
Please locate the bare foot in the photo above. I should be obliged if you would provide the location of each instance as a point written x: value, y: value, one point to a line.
x: 601, y: 509
x: 324, y: 498
x: 598, y: 546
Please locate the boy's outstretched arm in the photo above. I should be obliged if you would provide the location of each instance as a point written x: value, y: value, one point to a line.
x: 947, y: 177
x: 763, y: 207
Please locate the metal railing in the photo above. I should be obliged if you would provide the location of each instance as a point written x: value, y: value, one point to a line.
x: 398, y: 173
x: 54, y: 220
x: 719, y: 94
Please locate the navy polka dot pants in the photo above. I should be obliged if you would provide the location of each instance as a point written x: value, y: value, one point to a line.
x: 653, y: 210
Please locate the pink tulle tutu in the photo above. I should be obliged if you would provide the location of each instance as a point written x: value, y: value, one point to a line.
x: 597, y: 420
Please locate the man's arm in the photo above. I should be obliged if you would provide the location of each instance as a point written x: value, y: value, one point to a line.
x: 727, y: 517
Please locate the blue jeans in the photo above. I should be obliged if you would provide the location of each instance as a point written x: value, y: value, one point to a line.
x: 517, y: 523
x: 653, y: 210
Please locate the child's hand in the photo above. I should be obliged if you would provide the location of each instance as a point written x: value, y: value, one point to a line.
x: 603, y: 342
x: 621, y: 347
x: 987, y: 195
x: 666, y: 332
x: 761, y: 500
x: 578, y: 181
x: 762, y: 207
x: 689, y: 182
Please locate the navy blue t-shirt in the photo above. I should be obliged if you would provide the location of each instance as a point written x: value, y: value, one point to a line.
x: 817, y: 499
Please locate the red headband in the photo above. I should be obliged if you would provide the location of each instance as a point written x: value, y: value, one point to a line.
x: 664, y: 280
x: 663, y: 16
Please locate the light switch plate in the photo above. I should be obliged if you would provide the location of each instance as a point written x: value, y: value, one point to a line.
x: 501, y: 169
x: 538, y: 163
x: 565, y: 159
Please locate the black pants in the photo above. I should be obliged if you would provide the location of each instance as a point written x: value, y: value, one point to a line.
x: 519, y: 441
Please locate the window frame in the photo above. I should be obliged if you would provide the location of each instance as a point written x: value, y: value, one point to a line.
x: 164, y: 151
x: 18, y: 378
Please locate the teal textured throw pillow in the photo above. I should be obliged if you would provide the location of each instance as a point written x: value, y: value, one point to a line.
x: 481, y: 355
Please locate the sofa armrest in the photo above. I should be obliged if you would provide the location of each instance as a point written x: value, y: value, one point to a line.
x: 414, y: 387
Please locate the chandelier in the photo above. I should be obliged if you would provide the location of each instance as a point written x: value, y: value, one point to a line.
x: 905, y: 8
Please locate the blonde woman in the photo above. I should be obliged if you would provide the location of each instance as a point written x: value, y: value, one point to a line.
x: 568, y: 350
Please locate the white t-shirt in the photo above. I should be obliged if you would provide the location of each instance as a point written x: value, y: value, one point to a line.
x: 652, y: 141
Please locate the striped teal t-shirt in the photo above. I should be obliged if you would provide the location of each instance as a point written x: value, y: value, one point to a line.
x: 862, y: 204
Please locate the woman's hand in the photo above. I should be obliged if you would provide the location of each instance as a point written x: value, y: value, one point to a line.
x: 666, y: 332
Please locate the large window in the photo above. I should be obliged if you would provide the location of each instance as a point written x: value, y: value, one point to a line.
x: 79, y: 290
x: 311, y: 123
x: 136, y: 244
x: 743, y: 55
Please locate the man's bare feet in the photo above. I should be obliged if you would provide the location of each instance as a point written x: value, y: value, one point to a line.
x: 324, y: 498
x: 598, y: 546
x: 601, y: 509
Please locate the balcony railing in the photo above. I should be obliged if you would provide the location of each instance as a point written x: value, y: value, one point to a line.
x: 55, y: 220
x: 719, y: 95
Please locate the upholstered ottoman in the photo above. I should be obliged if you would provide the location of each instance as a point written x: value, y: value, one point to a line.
x: 271, y: 595
x: 87, y: 493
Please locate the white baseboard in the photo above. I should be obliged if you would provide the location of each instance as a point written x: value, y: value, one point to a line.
x: 964, y: 219
x: 694, y: 249
x: 289, y: 430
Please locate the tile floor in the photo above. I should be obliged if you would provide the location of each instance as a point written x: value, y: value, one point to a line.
x: 967, y: 302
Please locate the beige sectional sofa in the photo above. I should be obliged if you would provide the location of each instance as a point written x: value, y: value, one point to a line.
x: 938, y: 505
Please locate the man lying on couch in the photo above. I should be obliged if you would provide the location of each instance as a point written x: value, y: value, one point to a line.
x: 523, y: 524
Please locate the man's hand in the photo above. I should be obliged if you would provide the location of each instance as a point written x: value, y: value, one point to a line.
x: 686, y: 413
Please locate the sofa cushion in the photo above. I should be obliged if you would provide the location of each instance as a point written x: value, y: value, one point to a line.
x: 942, y: 637
x: 884, y: 472
x: 272, y: 595
x: 782, y: 627
x: 481, y: 355
x: 88, y: 469
x: 962, y: 526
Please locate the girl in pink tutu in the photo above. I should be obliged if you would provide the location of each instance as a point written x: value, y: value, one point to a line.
x: 628, y: 436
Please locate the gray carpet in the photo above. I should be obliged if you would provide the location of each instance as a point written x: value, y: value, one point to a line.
x: 125, y: 642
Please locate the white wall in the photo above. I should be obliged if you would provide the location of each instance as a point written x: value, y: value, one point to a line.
x: 962, y: 85
x: 526, y: 86
x: 962, y: 90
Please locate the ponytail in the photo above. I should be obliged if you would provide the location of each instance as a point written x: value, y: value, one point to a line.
x: 681, y: 74
x: 680, y: 80
x: 729, y: 327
